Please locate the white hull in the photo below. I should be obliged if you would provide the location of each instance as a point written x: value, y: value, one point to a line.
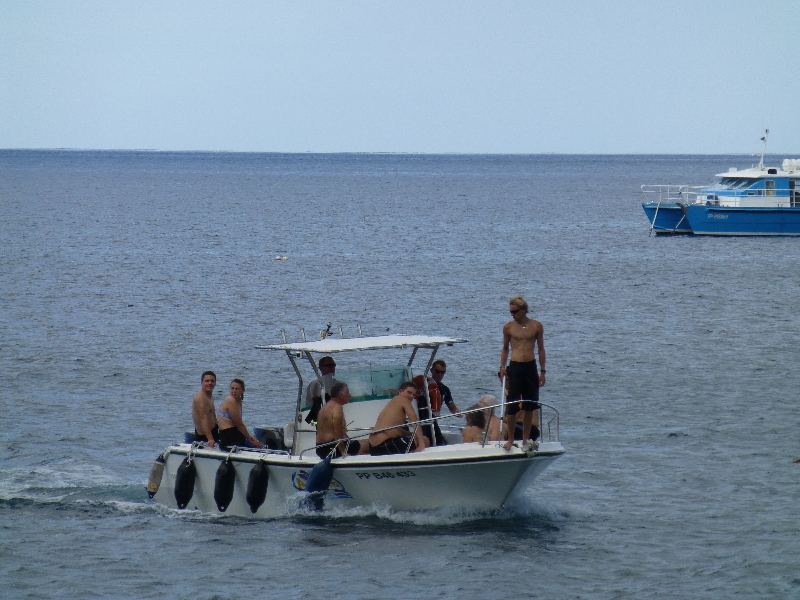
x: 466, y: 476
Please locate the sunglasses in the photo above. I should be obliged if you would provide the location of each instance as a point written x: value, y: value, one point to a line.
x: 513, y: 312
x: 439, y: 371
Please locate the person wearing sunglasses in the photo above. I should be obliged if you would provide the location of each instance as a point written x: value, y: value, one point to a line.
x: 438, y: 369
x: 522, y: 335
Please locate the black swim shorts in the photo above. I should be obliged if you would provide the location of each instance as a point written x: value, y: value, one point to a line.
x: 354, y: 448
x: 523, y: 384
x: 203, y: 438
x: 392, y: 446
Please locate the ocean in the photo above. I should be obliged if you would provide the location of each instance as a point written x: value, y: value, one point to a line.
x: 672, y: 362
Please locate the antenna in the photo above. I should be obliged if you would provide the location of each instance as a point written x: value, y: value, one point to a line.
x: 763, y: 139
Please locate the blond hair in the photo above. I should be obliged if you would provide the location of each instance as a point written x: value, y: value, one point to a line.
x: 519, y: 302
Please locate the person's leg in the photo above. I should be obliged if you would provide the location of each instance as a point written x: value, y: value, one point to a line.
x: 527, y: 420
x: 440, y: 441
x: 511, y: 423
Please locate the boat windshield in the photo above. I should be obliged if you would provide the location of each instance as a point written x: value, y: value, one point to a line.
x: 374, y: 382
x: 736, y: 183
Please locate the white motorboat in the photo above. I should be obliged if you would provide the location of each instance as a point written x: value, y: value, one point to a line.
x: 276, y: 480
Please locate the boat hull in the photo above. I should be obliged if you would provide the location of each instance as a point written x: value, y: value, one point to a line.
x: 667, y: 218
x: 743, y: 220
x: 464, y: 476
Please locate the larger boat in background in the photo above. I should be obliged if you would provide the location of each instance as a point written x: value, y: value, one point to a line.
x: 756, y: 201
x: 258, y: 483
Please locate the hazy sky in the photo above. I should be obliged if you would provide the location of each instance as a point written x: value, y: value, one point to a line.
x: 568, y: 76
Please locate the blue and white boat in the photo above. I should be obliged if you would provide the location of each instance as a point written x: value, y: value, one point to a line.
x: 756, y: 201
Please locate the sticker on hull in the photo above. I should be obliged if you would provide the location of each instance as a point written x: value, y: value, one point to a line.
x: 336, y: 489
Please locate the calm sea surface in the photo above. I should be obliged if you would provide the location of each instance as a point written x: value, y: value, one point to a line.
x: 673, y: 362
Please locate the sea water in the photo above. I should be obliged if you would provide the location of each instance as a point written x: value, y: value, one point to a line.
x: 672, y: 361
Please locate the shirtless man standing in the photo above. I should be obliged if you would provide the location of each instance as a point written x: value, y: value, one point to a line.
x: 331, y: 425
x: 395, y: 441
x: 524, y: 381
x: 203, y: 414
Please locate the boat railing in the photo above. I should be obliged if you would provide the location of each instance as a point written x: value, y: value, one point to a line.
x: 664, y: 194
x: 203, y: 445
x: 552, y: 427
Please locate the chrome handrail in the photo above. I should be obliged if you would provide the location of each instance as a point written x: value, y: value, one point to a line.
x: 421, y: 422
x: 673, y: 193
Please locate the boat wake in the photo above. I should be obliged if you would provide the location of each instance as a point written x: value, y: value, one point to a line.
x: 85, y: 488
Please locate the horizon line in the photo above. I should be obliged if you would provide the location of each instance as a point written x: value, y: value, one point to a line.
x: 389, y: 153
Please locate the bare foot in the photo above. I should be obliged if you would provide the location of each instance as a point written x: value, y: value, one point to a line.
x: 508, y: 445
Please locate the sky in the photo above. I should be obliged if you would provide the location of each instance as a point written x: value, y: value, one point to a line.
x: 517, y: 77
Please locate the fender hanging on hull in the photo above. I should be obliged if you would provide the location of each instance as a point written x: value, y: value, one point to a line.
x: 184, y: 482
x: 156, y: 473
x: 223, y: 485
x: 257, y: 486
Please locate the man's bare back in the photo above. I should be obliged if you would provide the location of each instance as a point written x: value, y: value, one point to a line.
x: 395, y: 413
x: 330, y: 423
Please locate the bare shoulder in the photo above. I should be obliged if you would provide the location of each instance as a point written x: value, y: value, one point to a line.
x: 199, y: 397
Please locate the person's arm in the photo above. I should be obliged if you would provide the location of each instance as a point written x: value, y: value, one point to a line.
x: 447, y: 396
x: 236, y: 417
x: 542, y: 357
x: 448, y: 399
x: 412, y: 417
x: 504, y: 353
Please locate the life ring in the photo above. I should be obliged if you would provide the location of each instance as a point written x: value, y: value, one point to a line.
x: 434, y: 395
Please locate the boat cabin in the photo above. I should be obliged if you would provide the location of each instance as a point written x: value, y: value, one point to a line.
x: 371, y: 385
x: 756, y: 187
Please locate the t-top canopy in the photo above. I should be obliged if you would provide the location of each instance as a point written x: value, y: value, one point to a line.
x: 331, y: 344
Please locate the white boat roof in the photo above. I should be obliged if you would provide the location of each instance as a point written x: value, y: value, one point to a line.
x: 331, y: 344
x: 758, y: 173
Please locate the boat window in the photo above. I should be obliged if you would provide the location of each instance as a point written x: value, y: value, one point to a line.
x: 374, y: 381
x: 769, y: 185
x: 734, y: 183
